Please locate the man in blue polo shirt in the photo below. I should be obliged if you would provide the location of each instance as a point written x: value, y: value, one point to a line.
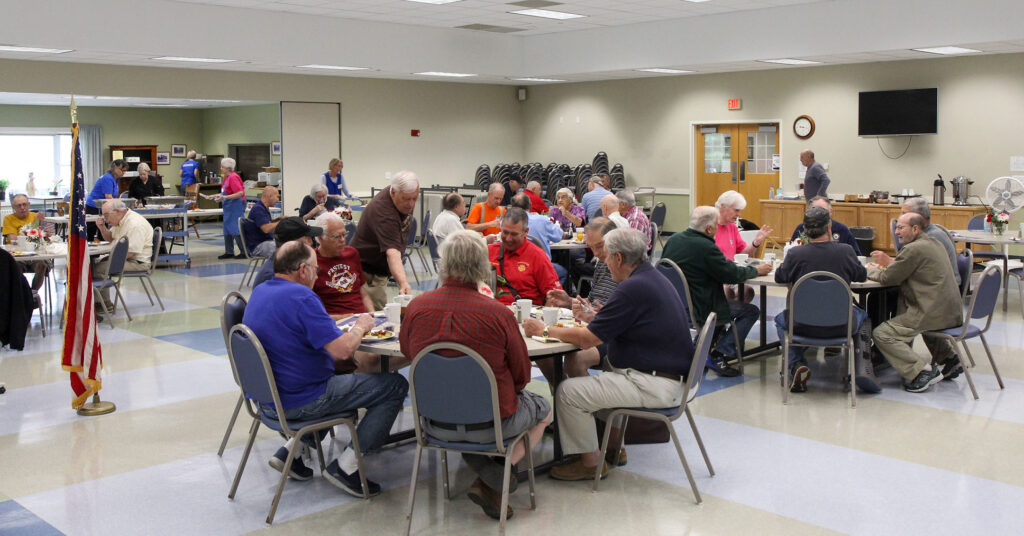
x: 188, y: 170
x: 105, y: 188
x: 649, y: 349
x: 591, y: 200
x: 259, y: 237
x: 304, y: 345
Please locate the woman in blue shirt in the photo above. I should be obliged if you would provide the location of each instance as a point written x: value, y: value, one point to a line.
x: 335, y: 181
x: 105, y: 188
x: 188, y: 170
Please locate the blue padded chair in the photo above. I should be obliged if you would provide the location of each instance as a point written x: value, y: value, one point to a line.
x: 145, y: 275
x: 983, y: 304
x: 350, y: 232
x: 116, y: 270
x: 252, y: 371
x: 420, y: 242
x: 435, y: 256
x: 896, y: 244
x: 409, y: 246
x: 819, y: 300
x: 232, y: 309
x: 671, y: 270
x: 691, y: 386
x: 474, y: 402
x: 254, y: 261
x: 964, y: 265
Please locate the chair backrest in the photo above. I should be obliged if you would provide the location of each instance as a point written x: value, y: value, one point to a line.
x: 412, y: 232
x: 654, y: 241
x: 350, y: 231
x: 243, y: 222
x: 674, y: 274
x: 232, y: 309
x: 986, y: 295
x: 820, y: 299
x: 431, y: 378
x: 700, y: 359
x: 658, y: 214
x: 63, y: 208
x: 976, y: 223
x: 252, y: 369
x: 895, y: 238
x: 964, y: 265
x: 535, y: 240
x: 426, y: 227
x: 432, y: 246
x: 158, y: 236
x: 118, y: 256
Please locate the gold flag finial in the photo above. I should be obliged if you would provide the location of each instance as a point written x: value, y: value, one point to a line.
x: 74, y: 110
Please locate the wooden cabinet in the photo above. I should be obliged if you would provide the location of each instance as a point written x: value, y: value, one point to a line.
x: 955, y: 217
x: 133, y: 155
x: 846, y: 214
x: 878, y: 216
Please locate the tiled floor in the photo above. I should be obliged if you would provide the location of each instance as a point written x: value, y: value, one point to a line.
x: 901, y: 463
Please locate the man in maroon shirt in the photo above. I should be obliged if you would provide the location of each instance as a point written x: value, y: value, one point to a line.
x: 458, y: 313
x: 524, y: 271
x: 339, y: 284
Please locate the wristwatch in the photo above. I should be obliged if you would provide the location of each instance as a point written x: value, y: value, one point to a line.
x: 545, y: 332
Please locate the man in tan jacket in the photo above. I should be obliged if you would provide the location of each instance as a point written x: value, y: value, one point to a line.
x: 929, y: 300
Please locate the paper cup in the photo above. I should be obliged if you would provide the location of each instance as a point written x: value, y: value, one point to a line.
x: 741, y: 258
x: 769, y: 258
x: 550, y: 315
x: 523, y: 309
x: 393, y: 312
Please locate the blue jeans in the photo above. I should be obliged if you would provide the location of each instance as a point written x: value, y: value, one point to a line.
x: 381, y: 394
x: 744, y: 314
x: 796, y: 353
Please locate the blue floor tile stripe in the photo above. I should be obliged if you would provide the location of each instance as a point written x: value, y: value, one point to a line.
x: 15, y: 520
x: 210, y: 340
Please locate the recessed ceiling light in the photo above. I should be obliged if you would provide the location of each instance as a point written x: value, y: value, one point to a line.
x: 12, y: 48
x: 697, y: 1
x: 438, y: 73
x: 437, y: 2
x: 664, y: 71
x: 537, y: 79
x: 790, y: 61
x: 947, y: 50
x: 332, y: 67
x: 193, y: 60
x: 212, y: 100
x: 109, y: 98
x: 547, y: 14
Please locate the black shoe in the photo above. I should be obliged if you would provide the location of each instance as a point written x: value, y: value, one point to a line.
x: 799, y: 375
x: 924, y: 380
x: 298, y: 470
x: 241, y: 256
x: 952, y: 368
x: 866, y: 380
x: 488, y: 500
x: 349, y: 483
x: 226, y: 256
x: 716, y: 362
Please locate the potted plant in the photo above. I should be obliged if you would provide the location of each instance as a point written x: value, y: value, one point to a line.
x: 3, y: 189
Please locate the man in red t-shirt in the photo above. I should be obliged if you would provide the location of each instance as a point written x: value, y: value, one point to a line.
x: 339, y: 284
x: 537, y: 204
x: 524, y: 271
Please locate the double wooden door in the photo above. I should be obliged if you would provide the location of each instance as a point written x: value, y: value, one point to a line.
x: 736, y: 157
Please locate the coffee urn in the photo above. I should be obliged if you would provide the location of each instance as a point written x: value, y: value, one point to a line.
x: 939, y: 192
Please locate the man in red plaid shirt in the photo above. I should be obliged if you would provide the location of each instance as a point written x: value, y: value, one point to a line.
x: 634, y: 214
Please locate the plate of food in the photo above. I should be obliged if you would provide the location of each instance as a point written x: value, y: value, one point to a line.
x: 569, y: 324
x: 22, y: 253
x: 377, y: 334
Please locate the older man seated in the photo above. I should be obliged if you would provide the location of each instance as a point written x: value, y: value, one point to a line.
x: 317, y: 202
x: 450, y: 218
x: 537, y: 204
x: 707, y: 269
x: 339, y: 281
x: 260, y: 240
x: 523, y: 270
x: 303, y: 345
x: 610, y: 210
x: 633, y: 214
x: 457, y: 313
x: 14, y: 222
x: 484, y: 216
x: 118, y: 221
x: 649, y: 349
x: 287, y: 230
x: 840, y: 233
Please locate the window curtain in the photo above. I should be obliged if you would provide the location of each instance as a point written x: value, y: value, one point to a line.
x: 90, y: 140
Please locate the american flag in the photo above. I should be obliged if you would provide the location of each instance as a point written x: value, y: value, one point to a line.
x: 81, y: 355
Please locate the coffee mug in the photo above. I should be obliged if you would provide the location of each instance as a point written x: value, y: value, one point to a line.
x: 393, y: 312
x: 550, y: 315
x: 769, y: 258
x: 741, y: 258
x: 523, y: 309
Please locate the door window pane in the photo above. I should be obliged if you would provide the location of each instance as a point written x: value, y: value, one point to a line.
x: 717, y: 153
x: 760, y: 148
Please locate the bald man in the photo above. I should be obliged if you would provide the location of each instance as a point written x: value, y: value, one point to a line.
x: 610, y: 210
x: 816, y: 181
x: 259, y: 238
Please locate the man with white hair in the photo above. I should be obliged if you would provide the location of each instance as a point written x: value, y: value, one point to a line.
x: 919, y: 206
x: 633, y: 214
x: 591, y: 200
x: 383, y: 233
x: 649, y: 348
x: 118, y: 221
x: 457, y: 312
x: 259, y: 237
x: 610, y: 210
x: 450, y: 218
x: 537, y: 204
x: 840, y: 232
x: 317, y: 203
x: 339, y: 283
x: 707, y: 270
x: 483, y: 217
x: 147, y: 184
x: 21, y: 217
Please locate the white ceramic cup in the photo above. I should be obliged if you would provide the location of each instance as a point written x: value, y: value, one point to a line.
x: 905, y: 191
x: 403, y: 299
x: 523, y: 309
x: 741, y: 258
x: 910, y: 191
x: 550, y: 315
x: 393, y: 312
x: 769, y: 258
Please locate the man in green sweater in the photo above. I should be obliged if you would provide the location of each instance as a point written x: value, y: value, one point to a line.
x: 707, y: 270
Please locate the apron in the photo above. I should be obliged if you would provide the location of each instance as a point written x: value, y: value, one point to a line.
x: 233, y: 209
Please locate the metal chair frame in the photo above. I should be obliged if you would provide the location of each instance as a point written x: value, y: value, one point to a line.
x: 435, y: 255
x: 253, y: 265
x: 409, y: 246
x: 145, y: 275
x: 118, y: 256
x: 225, y: 328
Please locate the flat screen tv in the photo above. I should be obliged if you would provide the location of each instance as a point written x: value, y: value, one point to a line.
x: 898, y: 113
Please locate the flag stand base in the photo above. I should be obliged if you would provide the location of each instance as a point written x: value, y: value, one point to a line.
x: 96, y: 407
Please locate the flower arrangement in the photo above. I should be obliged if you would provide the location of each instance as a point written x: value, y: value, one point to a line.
x: 36, y: 236
x: 998, y: 220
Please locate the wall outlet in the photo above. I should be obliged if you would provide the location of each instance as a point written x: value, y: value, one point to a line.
x: 387, y: 175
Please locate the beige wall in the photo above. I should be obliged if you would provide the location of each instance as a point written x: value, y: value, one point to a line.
x: 241, y: 124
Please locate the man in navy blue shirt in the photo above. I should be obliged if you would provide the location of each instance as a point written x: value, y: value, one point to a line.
x: 303, y: 345
x: 259, y: 237
x: 649, y: 348
x: 840, y: 232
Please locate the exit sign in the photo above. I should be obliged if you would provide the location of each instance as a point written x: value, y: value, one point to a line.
x: 734, y: 104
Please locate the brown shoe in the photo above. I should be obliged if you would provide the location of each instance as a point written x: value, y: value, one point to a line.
x: 488, y: 500
x: 575, y: 470
x: 610, y: 457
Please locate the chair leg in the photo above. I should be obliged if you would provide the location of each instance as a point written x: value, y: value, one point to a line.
x: 231, y: 425
x: 284, y: 476
x: 155, y: 293
x: 852, y: 372
x: 142, y: 281
x: 320, y: 454
x: 124, y: 304
x: 739, y: 347
x: 412, y: 488
x: 992, y: 361
x: 970, y: 356
x: 604, y: 447
x: 529, y: 472
x: 682, y: 458
x: 700, y: 442
x: 785, y: 370
x: 245, y: 457
x: 504, y: 493
x: 967, y: 370
x: 359, y: 459
x: 445, y: 484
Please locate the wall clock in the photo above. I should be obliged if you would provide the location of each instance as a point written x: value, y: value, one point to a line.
x: 803, y: 127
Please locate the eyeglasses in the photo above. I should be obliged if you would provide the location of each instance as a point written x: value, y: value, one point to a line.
x: 315, y: 267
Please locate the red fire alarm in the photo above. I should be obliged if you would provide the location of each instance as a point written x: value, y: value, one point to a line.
x: 415, y: 133
x: 734, y: 104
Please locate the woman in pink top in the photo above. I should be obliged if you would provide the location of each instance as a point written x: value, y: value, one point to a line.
x: 232, y: 194
x: 728, y: 239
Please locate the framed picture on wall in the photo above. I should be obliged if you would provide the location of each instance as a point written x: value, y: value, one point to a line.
x: 178, y: 151
x: 162, y: 159
x: 275, y: 148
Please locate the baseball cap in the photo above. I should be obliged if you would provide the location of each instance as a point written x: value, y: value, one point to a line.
x: 816, y: 218
x: 293, y: 228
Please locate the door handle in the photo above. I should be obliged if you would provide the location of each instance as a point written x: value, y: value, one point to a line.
x: 734, y: 172
x: 743, y: 172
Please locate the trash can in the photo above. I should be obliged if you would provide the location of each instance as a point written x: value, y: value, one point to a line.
x: 864, y: 236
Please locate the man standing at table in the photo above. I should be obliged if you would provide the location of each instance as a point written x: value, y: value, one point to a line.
x: 303, y: 345
x: 649, y: 348
x: 816, y: 181
x: 523, y: 270
x: 450, y: 219
x: 821, y: 254
x: 929, y: 300
x: 840, y: 233
x: 383, y: 233
x: 118, y: 221
x: 260, y: 236
x: 591, y: 200
x: 484, y: 216
x: 457, y: 313
x: 12, y: 225
x: 707, y: 270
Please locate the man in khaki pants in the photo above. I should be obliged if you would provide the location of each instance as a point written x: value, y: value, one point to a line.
x: 929, y: 300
